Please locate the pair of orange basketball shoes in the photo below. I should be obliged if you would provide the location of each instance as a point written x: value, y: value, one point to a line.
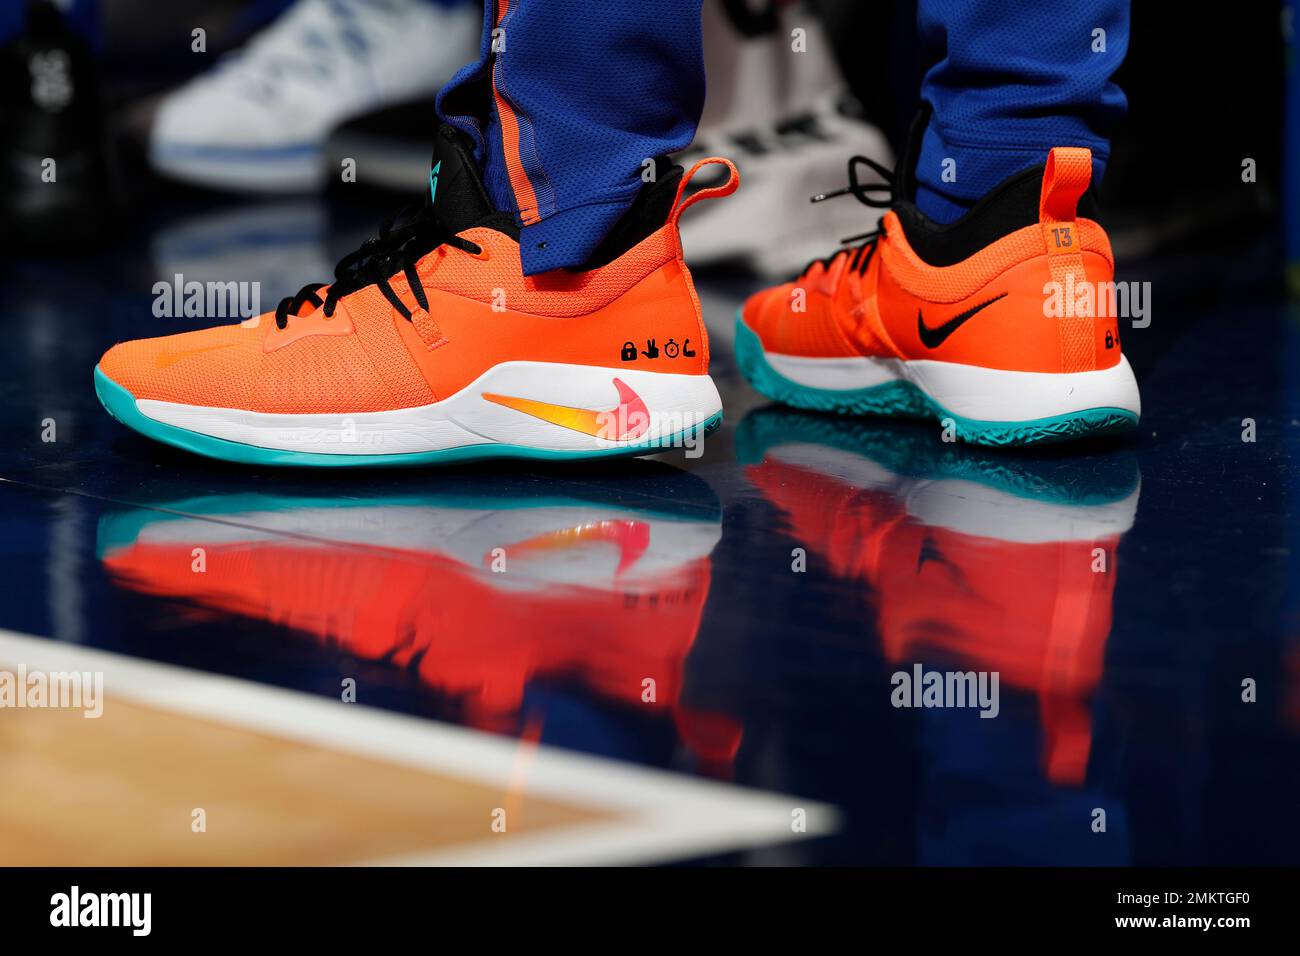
x: 431, y: 345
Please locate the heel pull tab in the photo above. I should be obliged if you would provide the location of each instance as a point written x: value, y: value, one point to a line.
x: 1065, y: 178
x: 726, y: 189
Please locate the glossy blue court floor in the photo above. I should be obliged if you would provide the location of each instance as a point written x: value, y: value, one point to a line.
x: 777, y: 591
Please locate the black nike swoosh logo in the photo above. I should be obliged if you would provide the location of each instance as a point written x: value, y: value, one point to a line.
x: 932, y: 338
x: 929, y: 552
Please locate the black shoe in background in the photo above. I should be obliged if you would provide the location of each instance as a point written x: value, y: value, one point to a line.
x: 59, y: 181
x: 390, y: 146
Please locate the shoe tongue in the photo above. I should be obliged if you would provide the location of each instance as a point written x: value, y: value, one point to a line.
x: 455, y: 183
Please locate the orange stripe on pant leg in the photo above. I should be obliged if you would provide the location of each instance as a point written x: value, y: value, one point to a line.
x: 525, y: 195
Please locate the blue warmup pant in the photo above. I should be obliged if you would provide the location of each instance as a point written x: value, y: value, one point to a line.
x: 582, y: 93
x: 579, y: 94
x: 1009, y: 82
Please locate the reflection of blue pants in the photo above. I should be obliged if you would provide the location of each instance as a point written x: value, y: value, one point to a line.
x: 581, y: 93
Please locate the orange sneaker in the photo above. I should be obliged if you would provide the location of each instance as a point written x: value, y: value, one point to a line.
x: 967, y: 560
x: 475, y: 590
x: 432, y: 346
x: 979, y: 324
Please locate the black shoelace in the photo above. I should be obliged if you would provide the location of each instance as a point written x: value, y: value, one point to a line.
x: 875, y: 195
x: 402, y: 241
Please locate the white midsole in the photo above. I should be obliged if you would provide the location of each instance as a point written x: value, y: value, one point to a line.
x: 972, y: 391
x: 469, y: 535
x: 676, y: 404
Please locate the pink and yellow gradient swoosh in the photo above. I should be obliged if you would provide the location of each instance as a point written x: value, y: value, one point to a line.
x: 628, y: 419
x: 631, y: 537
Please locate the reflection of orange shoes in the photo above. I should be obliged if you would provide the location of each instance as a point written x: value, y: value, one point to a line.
x: 962, y: 323
x: 431, y: 345
x: 474, y: 591
x: 968, y: 562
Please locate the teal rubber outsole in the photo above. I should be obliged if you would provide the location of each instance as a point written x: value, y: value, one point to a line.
x: 905, y: 400
x: 121, y: 405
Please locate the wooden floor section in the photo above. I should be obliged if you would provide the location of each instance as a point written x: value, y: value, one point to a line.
x: 284, y: 778
x: 123, y: 790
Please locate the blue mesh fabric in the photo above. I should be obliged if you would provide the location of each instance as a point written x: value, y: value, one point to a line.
x: 598, y: 88
x: 1008, y: 81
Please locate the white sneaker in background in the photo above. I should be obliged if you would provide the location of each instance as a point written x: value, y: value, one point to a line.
x: 763, y: 61
x: 775, y: 228
x: 258, y: 120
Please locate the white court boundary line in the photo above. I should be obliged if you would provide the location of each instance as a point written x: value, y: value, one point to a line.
x: 667, y: 816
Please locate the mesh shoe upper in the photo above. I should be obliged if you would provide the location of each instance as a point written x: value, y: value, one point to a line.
x: 368, y: 369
